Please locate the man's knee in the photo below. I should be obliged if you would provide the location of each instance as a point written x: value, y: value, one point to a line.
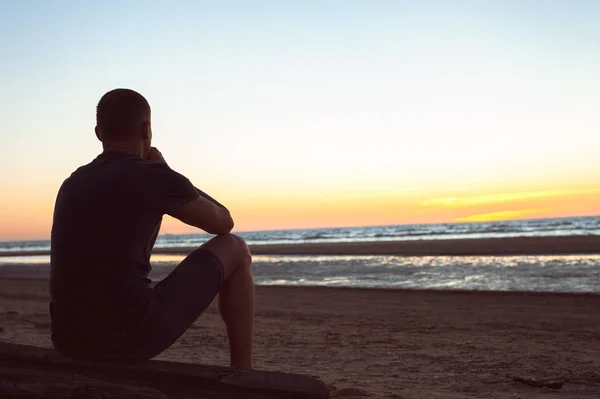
x: 241, y: 248
x: 231, y: 249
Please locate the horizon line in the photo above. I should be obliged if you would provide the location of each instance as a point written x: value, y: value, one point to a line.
x: 356, y: 227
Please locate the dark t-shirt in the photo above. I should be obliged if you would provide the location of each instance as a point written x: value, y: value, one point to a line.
x: 106, y: 219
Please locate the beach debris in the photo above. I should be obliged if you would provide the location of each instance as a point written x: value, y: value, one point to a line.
x: 554, y: 383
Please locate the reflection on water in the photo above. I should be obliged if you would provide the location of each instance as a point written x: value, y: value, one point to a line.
x: 25, y: 260
x: 166, y: 258
x: 507, y: 273
x: 45, y: 259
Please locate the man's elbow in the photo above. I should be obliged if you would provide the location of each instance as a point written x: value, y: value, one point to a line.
x: 225, y: 224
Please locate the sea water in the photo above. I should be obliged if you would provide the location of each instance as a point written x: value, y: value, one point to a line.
x: 517, y: 228
x: 571, y: 273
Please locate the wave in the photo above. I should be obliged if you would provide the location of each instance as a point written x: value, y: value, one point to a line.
x: 497, y: 273
x: 539, y: 227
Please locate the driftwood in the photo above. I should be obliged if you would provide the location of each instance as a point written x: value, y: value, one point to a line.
x: 30, y: 372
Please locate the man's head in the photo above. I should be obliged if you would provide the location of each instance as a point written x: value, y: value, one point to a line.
x: 123, y: 119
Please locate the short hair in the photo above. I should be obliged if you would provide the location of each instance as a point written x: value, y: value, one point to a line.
x: 120, y: 111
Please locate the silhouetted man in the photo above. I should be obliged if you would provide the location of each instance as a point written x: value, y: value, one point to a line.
x: 106, y: 219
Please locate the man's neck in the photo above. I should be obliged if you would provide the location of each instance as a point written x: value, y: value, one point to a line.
x: 123, y: 147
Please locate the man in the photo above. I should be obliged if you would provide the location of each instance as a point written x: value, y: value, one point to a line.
x: 106, y: 219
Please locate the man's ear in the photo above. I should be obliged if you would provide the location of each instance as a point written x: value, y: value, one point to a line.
x: 97, y: 133
x: 146, y: 131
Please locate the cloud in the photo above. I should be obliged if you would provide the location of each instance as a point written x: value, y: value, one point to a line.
x: 501, y: 197
x: 502, y: 215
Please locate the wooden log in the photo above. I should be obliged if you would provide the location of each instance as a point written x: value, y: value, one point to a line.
x: 30, y: 372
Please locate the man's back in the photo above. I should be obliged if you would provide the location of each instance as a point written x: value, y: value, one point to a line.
x: 106, y: 220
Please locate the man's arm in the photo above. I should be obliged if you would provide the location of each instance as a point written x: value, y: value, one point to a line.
x: 208, y: 197
x: 204, y: 212
x: 206, y: 215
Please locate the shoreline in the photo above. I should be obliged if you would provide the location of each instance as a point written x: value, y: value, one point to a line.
x: 545, y: 245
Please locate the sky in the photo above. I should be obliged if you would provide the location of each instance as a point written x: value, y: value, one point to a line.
x: 314, y: 113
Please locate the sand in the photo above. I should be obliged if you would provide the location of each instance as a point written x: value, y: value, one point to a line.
x: 557, y: 245
x: 386, y: 343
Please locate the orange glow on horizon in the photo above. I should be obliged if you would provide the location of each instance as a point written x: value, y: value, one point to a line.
x: 27, y: 214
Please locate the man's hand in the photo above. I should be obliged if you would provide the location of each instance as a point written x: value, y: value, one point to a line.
x: 155, y: 156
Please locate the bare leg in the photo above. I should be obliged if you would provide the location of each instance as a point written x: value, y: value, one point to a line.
x: 236, y: 303
x: 236, y: 300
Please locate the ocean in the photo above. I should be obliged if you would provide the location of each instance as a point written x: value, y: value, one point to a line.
x: 572, y: 273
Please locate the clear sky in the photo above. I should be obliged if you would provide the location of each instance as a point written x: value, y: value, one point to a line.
x: 314, y: 113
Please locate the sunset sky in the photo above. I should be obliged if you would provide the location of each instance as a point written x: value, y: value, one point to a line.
x: 314, y: 113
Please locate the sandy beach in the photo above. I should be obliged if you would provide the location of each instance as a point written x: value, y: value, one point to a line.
x: 386, y: 343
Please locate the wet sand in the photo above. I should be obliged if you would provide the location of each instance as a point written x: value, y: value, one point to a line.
x: 559, y: 245
x: 386, y: 343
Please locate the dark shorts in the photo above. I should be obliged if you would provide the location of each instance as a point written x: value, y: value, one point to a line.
x: 175, y: 304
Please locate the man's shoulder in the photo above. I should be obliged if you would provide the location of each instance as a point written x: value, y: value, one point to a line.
x: 157, y: 172
x: 119, y: 171
x: 121, y: 165
x: 75, y: 176
x: 160, y: 168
